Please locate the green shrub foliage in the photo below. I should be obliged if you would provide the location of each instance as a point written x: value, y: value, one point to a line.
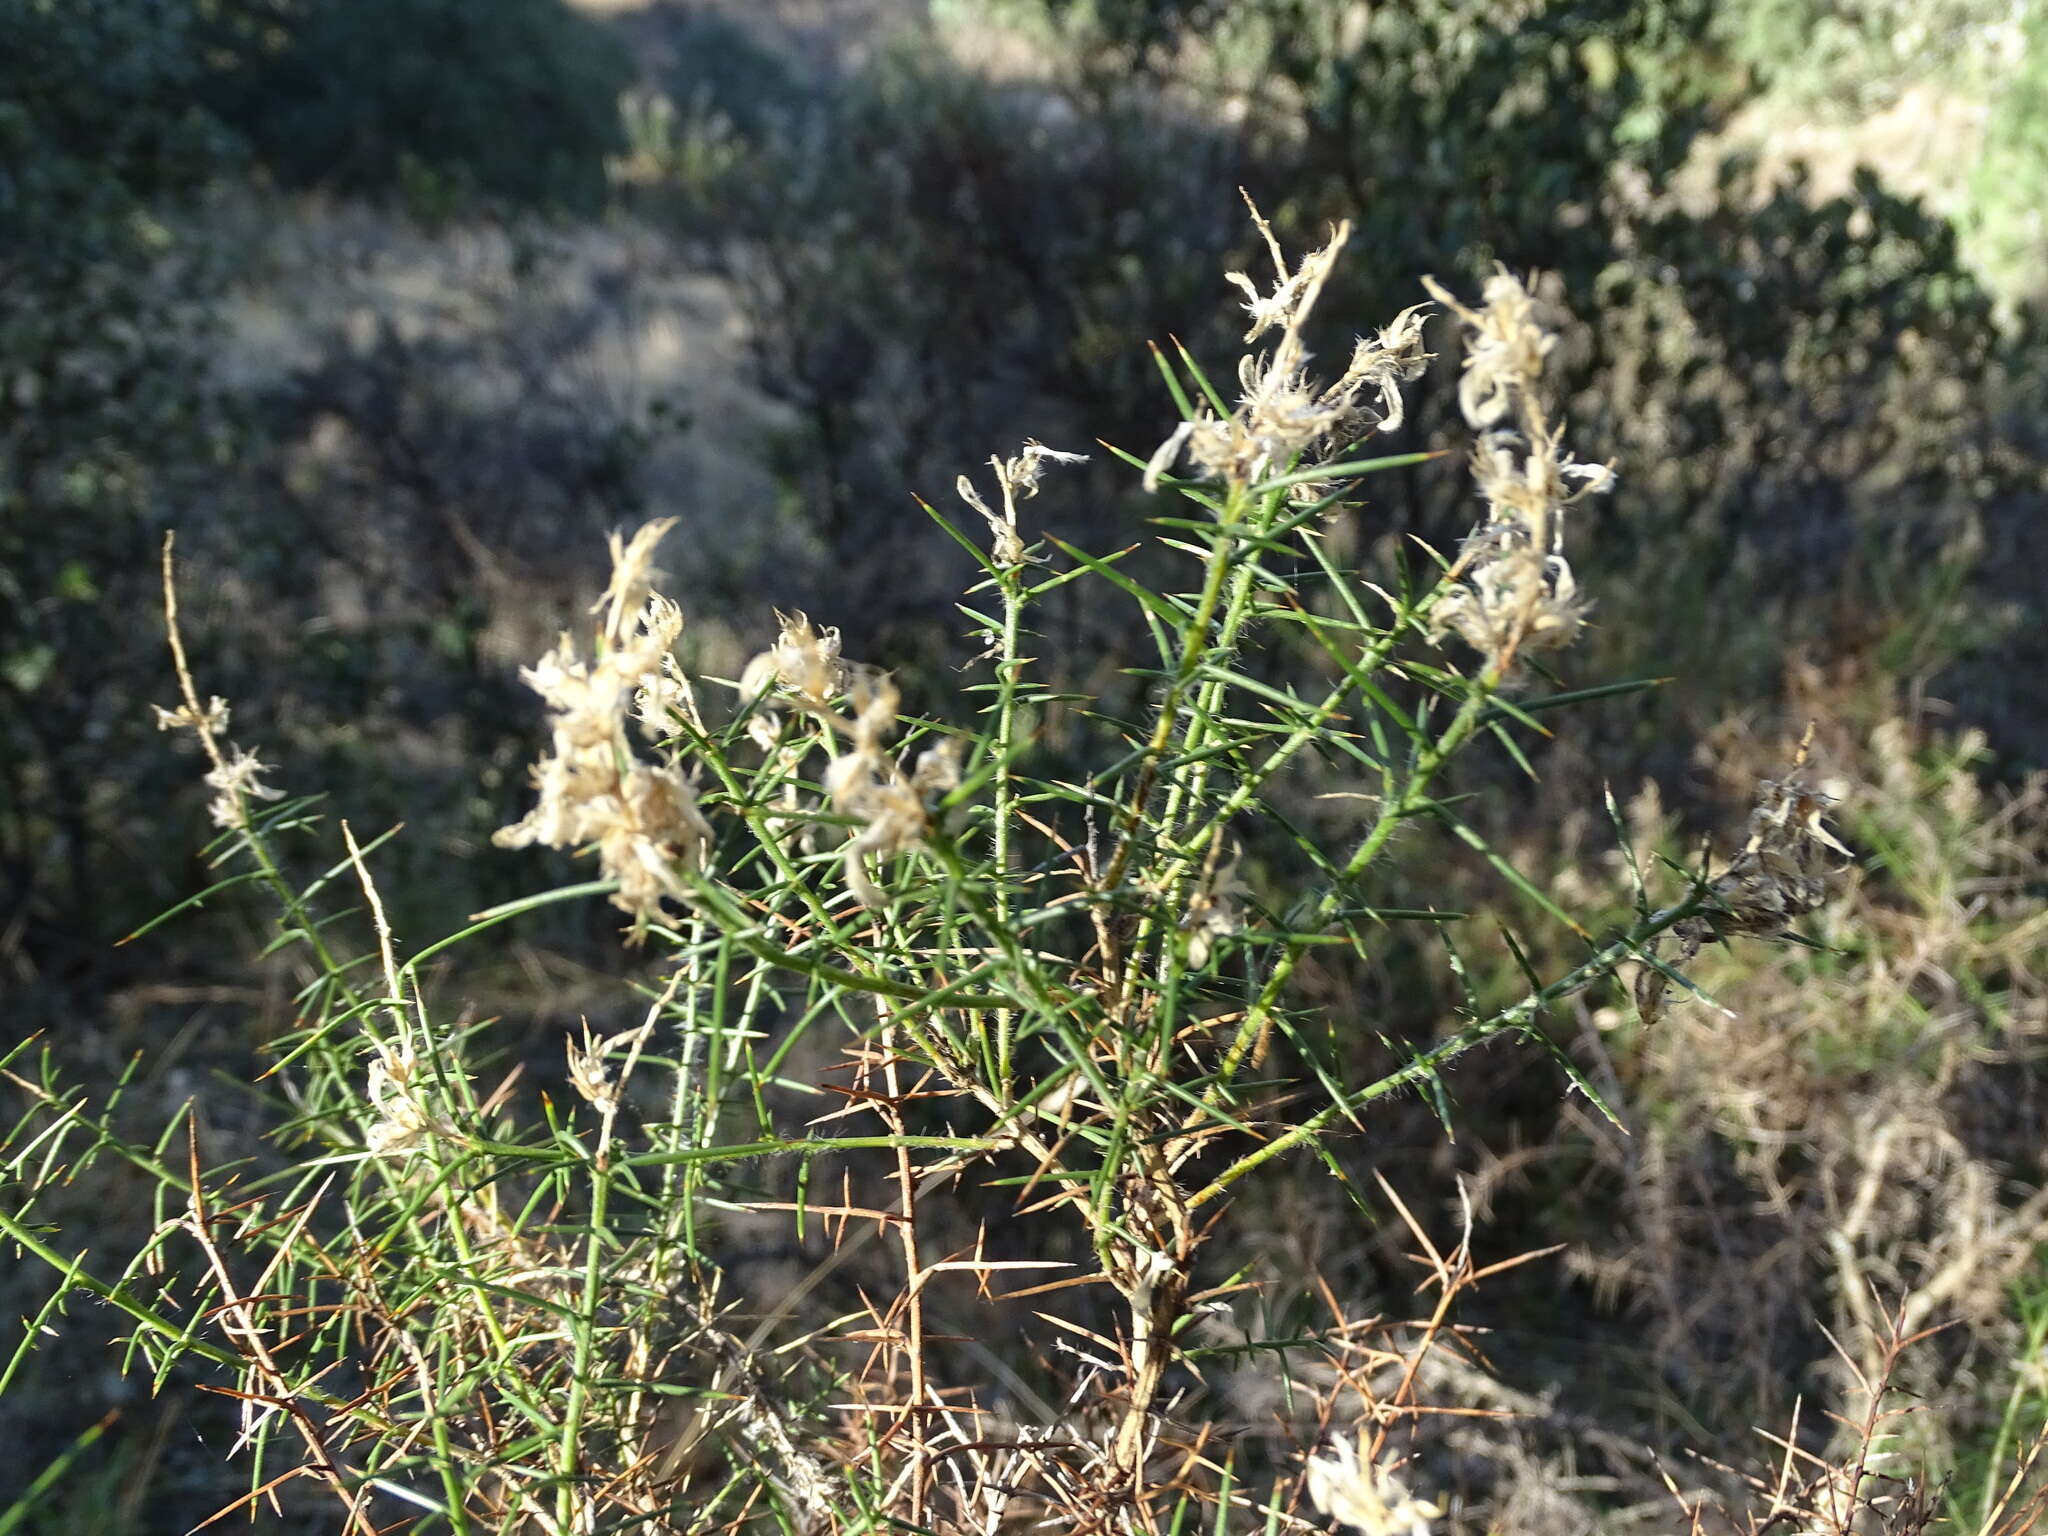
x: 101, y: 302
x: 511, y: 99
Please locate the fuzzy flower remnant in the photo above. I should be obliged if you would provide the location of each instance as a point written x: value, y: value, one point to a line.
x: 1789, y: 866
x: 864, y: 784
x: 1343, y: 1482
x: 236, y: 777
x: 405, y: 1116
x: 1281, y: 414
x: 1017, y: 479
x: 853, y: 708
x: 594, y: 788
x: 1511, y: 592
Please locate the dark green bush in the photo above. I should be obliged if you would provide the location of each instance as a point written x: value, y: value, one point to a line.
x: 511, y: 99
x: 103, y: 300
x: 722, y: 70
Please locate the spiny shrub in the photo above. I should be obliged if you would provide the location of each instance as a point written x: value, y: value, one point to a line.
x: 889, y: 960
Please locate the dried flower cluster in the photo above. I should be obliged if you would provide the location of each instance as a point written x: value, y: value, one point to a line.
x: 593, y: 787
x: 1281, y: 415
x: 236, y: 777
x: 1017, y: 479
x: 1790, y: 865
x: 589, y: 1073
x: 405, y: 1117
x: 864, y: 783
x: 804, y: 668
x: 1214, y: 910
x: 1344, y: 1483
x: 1512, y: 591
x: 236, y: 780
x: 209, y: 719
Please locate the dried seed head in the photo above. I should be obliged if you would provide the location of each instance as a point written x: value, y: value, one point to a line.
x: 593, y: 789
x: 803, y: 663
x: 237, y: 780
x: 1790, y: 865
x: 1511, y: 592
x: 1344, y: 1483
x: 1281, y: 414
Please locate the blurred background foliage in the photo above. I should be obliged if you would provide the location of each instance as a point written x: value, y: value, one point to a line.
x: 449, y: 100
x: 392, y: 310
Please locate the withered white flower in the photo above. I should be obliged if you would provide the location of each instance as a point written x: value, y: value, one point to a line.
x: 1344, y: 1483
x: 1514, y: 600
x: 1214, y: 911
x: 863, y: 783
x: 236, y: 780
x: 803, y: 663
x: 1281, y: 414
x: 1294, y: 293
x: 657, y: 832
x: 405, y: 1118
x: 665, y: 696
x: 1531, y: 482
x: 1008, y: 549
x: 236, y: 777
x: 647, y: 653
x: 1504, y: 350
x: 1017, y: 479
x: 1020, y: 476
x: 213, y: 718
x: 1511, y: 592
x: 593, y: 789
x: 1380, y: 365
x: 590, y: 1072
x: 628, y: 589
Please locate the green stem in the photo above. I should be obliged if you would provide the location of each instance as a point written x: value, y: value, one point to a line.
x: 1374, y: 843
x: 569, y: 1453
x: 1009, y: 671
x: 1194, y: 650
x: 1478, y: 1033
x: 75, y: 1275
x: 730, y: 918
